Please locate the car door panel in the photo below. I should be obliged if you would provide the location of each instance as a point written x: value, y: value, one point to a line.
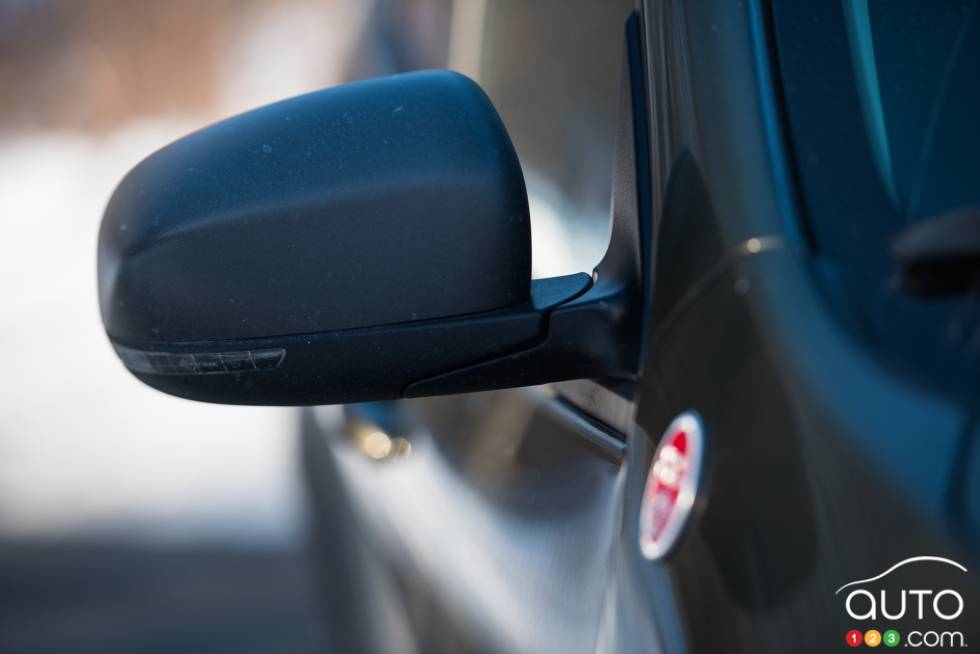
x: 816, y: 451
x: 497, y: 526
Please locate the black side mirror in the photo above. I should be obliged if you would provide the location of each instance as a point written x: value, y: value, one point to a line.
x: 369, y: 241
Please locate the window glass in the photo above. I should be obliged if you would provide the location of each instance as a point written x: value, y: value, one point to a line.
x: 881, y: 100
x: 552, y: 68
x: 917, y: 72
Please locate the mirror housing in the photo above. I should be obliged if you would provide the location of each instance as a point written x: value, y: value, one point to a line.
x: 370, y: 241
x: 374, y: 203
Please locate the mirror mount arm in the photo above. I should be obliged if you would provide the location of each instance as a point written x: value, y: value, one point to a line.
x: 586, y: 336
x: 598, y: 333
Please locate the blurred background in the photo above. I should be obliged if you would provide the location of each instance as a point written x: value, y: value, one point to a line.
x: 134, y: 521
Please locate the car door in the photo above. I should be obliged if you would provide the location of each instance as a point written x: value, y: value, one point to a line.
x: 833, y: 456
x: 493, y: 529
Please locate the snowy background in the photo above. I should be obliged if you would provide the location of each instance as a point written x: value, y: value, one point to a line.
x: 133, y: 520
x: 84, y: 448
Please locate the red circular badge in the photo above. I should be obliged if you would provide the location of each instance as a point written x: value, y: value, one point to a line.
x: 672, y: 485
